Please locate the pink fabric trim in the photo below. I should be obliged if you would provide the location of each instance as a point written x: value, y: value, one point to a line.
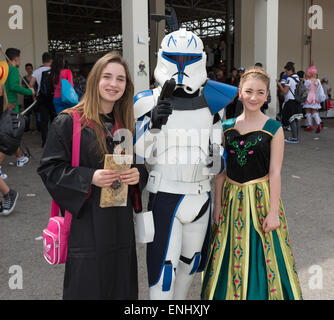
x: 64, y: 74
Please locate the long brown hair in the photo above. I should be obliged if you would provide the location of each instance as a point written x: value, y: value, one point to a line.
x: 90, y: 105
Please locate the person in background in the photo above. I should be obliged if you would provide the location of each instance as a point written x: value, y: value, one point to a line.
x: 80, y: 83
x: 327, y: 91
x: 28, y: 100
x: 230, y: 110
x: 292, y: 110
x: 301, y: 75
x: 211, y: 74
x: 3, y: 102
x: 280, y: 96
x: 220, y: 75
x: 59, y: 72
x: 233, y: 79
x: 233, y: 111
x: 13, y: 88
x: 241, y: 71
x: 10, y: 195
x: 44, y: 106
x: 315, y: 96
x: 37, y: 74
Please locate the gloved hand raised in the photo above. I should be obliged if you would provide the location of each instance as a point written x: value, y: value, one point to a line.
x: 160, y: 114
x: 163, y: 109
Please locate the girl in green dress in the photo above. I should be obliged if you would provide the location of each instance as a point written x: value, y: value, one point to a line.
x: 250, y: 255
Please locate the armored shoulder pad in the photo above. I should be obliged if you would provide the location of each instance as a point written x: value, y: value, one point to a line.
x: 145, y: 101
x: 218, y: 95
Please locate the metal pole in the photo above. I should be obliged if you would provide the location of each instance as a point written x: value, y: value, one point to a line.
x: 28, y: 109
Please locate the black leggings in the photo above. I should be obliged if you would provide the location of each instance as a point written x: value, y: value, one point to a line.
x: 295, y: 129
x: 47, y: 115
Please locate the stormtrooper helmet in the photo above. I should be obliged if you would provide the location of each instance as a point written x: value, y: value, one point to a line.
x: 182, y: 57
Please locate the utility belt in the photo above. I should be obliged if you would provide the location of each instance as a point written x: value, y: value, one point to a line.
x: 156, y: 183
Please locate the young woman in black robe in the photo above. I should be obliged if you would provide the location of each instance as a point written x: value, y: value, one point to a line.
x: 101, y: 260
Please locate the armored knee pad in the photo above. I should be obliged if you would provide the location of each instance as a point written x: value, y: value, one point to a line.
x: 193, y: 263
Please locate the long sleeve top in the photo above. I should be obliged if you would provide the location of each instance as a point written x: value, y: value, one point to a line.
x: 13, y: 86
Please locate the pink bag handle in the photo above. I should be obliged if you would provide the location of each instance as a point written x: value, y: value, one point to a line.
x: 75, y: 163
x: 76, y: 140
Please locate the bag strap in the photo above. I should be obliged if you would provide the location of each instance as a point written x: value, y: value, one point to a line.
x: 76, y: 139
x: 297, y: 82
x: 75, y: 163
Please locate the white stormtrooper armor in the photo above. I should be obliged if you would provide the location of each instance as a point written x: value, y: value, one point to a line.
x: 178, y: 157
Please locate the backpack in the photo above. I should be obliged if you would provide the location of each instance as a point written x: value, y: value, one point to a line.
x: 301, y: 92
x: 46, y: 90
x: 11, y: 131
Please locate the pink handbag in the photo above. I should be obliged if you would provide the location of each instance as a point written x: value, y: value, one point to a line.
x: 55, y: 236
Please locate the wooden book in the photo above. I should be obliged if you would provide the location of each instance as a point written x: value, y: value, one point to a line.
x: 117, y: 194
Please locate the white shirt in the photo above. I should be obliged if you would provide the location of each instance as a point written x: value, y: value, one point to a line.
x: 291, y: 81
x: 37, y: 74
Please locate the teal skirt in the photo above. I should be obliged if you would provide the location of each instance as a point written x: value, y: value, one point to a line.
x: 257, y: 288
x: 244, y: 262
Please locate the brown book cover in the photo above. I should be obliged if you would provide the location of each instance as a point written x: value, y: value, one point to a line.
x: 116, y: 195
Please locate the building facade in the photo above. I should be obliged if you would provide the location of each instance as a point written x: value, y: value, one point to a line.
x: 268, y: 31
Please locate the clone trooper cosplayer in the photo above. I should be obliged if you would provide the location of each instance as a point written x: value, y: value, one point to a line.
x: 174, y: 136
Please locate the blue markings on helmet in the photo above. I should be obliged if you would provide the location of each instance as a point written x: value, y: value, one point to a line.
x: 181, y: 60
x: 191, y: 40
x: 171, y: 38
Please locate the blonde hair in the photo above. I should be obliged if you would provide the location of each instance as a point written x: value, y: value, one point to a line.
x: 5, y: 100
x: 90, y: 105
x: 255, y: 73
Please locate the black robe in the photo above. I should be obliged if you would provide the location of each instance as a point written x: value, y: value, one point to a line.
x: 101, y: 261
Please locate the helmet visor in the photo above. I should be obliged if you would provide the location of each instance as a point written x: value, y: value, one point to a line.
x: 181, y: 60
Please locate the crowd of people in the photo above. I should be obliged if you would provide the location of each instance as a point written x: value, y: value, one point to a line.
x: 42, y: 86
x: 304, y: 96
x: 290, y: 110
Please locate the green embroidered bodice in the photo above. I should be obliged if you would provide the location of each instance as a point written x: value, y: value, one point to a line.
x: 248, y: 155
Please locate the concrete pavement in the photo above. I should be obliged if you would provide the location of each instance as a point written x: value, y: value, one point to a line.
x: 307, y: 194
